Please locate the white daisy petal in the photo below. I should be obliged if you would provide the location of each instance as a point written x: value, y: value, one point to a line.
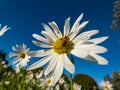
x: 56, y: 29
x: 40, y: 62
x: 100, y: 59
x: 83, y: 25
x: 49, y: 30
x: 85, y: 36
x: 40, y: 75
x: 98, y: 49
x: 98, y: 40
x: 76, y: 23
x: 14, y: 49
x: 24, y: 46
x: 17, y: 46
x: 85, y: 43
x: 48, y: 36
x: 13, y: 54
x: 40, y: 53
x: 92, y: 57
x: 58, y: 70
x: 15, y: 60
x: 80, y: 53
x: 42, y: 39
x: 92, y: 48
x: 68, y: 64
x: 51, y: 65
x: 43, y: 45
x: 4, y: 29
x: 67, y: 27
x: 78, y: 29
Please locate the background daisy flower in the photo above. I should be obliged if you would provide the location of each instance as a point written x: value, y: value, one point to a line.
x: 20, y: 56
x: 76, y: 87
x: 106, y: 85
x: 57, y: 47
x: 46, y: 82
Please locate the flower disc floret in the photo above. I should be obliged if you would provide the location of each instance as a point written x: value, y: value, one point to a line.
x: 22, y: 55
x: 62, y: 45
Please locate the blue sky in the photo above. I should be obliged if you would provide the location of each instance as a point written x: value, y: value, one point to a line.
x: 25, y: 18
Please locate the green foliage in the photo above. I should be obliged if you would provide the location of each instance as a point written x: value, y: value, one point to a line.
x: 87, y: 82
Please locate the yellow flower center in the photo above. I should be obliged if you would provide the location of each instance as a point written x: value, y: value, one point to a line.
x: 22, y: 55
x: 106, y: 87
x: 47, y: 83
x: 62, y: 45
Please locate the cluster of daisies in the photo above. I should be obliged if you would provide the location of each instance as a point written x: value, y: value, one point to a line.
x: 57, y: 47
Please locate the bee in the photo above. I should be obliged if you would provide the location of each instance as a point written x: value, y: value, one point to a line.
x: 65, y: 41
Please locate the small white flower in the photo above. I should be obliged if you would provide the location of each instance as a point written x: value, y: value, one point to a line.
x: 30, y: 88
x: 29, y: 76
x: 56, y: 47
x: 119, y: 74
x: 4, y: 74
x: 20, y: 55
x: 66, y: 86
x: 49, y: 88
x: 37, y: 75
x: 76, y: 86
x: 3, y: 30
x: 46, y: 82
x: 106, y: 85
x: 5, y: 66
x: 7, y: 82
x: 3, y: 62
x: 57, y: 87
x: 9, y: 73
x: 61, y: 80
x: 34, y: 81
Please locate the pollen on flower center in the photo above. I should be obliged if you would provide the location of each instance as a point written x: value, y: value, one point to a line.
x: 22, y: 55
x: 62, y: 45
x: 106, y: 87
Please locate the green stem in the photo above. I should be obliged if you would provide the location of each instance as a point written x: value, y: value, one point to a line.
x: 71, y: 84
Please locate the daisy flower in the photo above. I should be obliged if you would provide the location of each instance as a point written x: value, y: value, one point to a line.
x: 76, y: 86
x: 61, y: 81
x: 57, y: 87
x: 107, y: 85
x: 3, y: 30
x: 7, y: 82
x: 46, y: 82
x: 56, y: 48
x: 20, y: 55
x: 29, y: 76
